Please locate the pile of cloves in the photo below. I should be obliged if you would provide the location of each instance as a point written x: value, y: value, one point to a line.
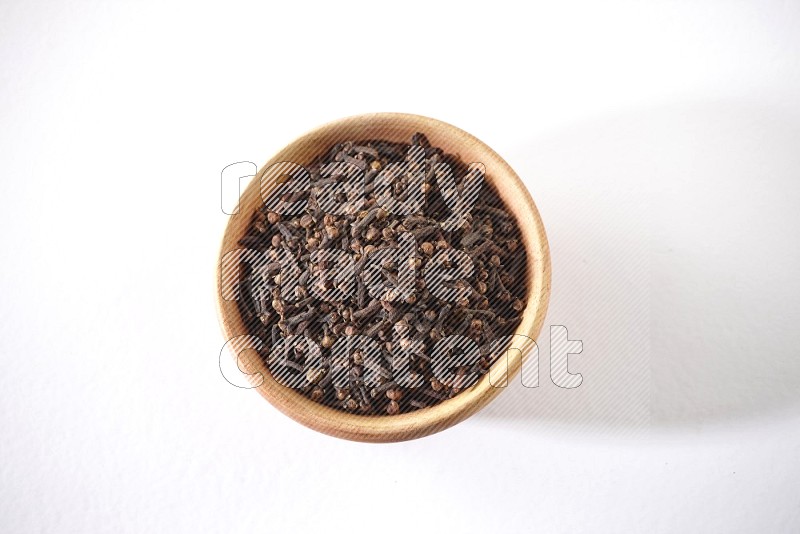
x: 278, y: 302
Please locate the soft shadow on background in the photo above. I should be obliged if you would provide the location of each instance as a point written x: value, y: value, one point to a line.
x: 673, y: 234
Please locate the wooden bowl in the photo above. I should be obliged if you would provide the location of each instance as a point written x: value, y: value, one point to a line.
x: 399, y: 127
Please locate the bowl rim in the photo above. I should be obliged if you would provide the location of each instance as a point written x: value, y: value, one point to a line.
x: 447, y: 413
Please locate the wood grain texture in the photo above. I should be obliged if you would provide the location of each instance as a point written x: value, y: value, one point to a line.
x: 398, y: 127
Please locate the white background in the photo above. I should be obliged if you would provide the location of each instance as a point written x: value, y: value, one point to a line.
x: 659, y: 140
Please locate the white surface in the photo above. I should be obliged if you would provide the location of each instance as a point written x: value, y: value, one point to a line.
x: 658, y: 139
